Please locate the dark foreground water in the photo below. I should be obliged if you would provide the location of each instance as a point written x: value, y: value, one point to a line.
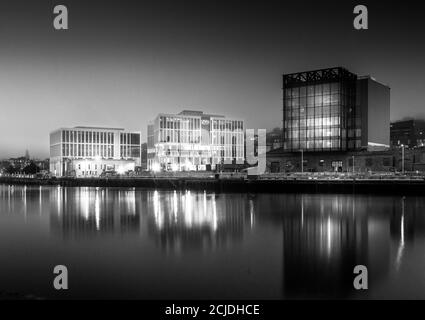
x: 147, y: 244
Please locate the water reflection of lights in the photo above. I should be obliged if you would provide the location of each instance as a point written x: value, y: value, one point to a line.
x: 59, y: 198
x: 329, y: 231
x: 97, y: 209
x: 402, y: 243
x: 214, y: 215
x: 24, y: 195
x: 157, y: 210
x: 40, y: 201
x: 175, y: 205
x: 251, y: 213
x: 186, y: 208
x: 84, y: 198
x: 302, y: 211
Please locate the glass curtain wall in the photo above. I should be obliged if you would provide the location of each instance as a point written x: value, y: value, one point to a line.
x: 320, y: 115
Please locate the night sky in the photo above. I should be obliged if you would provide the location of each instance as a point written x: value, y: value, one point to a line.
x: 122, y: 62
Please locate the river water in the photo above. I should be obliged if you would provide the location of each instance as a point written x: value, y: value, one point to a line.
x: 155, y: 244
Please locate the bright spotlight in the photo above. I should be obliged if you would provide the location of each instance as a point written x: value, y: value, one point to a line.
x: 156, y: 167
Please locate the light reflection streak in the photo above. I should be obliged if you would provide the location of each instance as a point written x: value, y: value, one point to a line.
x: 402, y: 243
x: 85, y: 202
x: 40, y: 201
x: 302, y: 211
x: 59, y: 200
x: 329, y: 231
x: 157, y: 210
x: 24, y: 191
x: 214, y: 215
x: 97, y: 209
x: 251, y: 213
x: 175, y: 205
x: 188, y: 209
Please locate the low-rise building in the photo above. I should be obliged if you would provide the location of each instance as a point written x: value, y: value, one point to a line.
x: 90, y: 151
x: 354, y: 161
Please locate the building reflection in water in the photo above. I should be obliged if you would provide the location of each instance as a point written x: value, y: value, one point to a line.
x: 407, y: 224
x: 323, y: 236
x: 87, y: 211
x: 24, y: 200
x: 176, y: 220
x: 185, y: 220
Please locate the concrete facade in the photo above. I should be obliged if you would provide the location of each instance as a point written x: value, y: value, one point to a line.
x: 373, y: 100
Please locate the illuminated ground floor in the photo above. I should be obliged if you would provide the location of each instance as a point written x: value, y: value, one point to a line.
x: 182, y: 157
x: 183, y: 163
x: 61, y: 167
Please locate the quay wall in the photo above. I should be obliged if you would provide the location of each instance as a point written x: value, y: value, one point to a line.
x: 361, y: 186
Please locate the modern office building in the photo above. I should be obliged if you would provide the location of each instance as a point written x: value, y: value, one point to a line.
x: 334, y: 110
x: 192, y: 141
x: 410, y: 133
x: 89, y: 151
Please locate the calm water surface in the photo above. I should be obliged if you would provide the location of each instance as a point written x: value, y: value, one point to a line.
x: 147, y: 244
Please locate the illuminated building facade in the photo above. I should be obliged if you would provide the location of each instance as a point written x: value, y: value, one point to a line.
x: 319, y: 111
x: 334, y: 110
x: 192, y: 141
x: 90, y: 151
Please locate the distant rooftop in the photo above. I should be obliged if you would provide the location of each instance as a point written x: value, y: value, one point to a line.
x: 97, y: 128
x: 411, y: 120
x: 191, y: 113
x: 372, y: 78
x: 197, y: 113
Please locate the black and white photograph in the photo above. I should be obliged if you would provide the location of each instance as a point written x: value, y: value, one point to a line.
x: 227, y: 152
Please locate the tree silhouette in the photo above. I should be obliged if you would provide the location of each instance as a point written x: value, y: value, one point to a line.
x: 31, y: 168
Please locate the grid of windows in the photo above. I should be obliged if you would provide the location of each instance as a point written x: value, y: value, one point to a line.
x: 87, y: 144
x: 179, y: 129
x: 313, y: 116
x: 80, y: 143
x: 319, y: 111
x: 185, y: 141
x: 227, y: 140
x: 130, y: 145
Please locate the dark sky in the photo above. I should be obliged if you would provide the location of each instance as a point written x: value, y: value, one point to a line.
x: 122, y: 62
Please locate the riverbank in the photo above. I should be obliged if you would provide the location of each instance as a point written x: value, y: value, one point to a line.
x: 298, y: 185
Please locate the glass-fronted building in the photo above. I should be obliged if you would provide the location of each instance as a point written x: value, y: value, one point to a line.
x: 192, y: 140
x: 89, y: 151
x: 334, y: 110
x: 320, y: 112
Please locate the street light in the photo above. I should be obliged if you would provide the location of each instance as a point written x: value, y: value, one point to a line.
x: 302, y: 161
x: 402, y: 158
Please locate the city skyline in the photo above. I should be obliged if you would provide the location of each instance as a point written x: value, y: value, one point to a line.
x: 120, y: 64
